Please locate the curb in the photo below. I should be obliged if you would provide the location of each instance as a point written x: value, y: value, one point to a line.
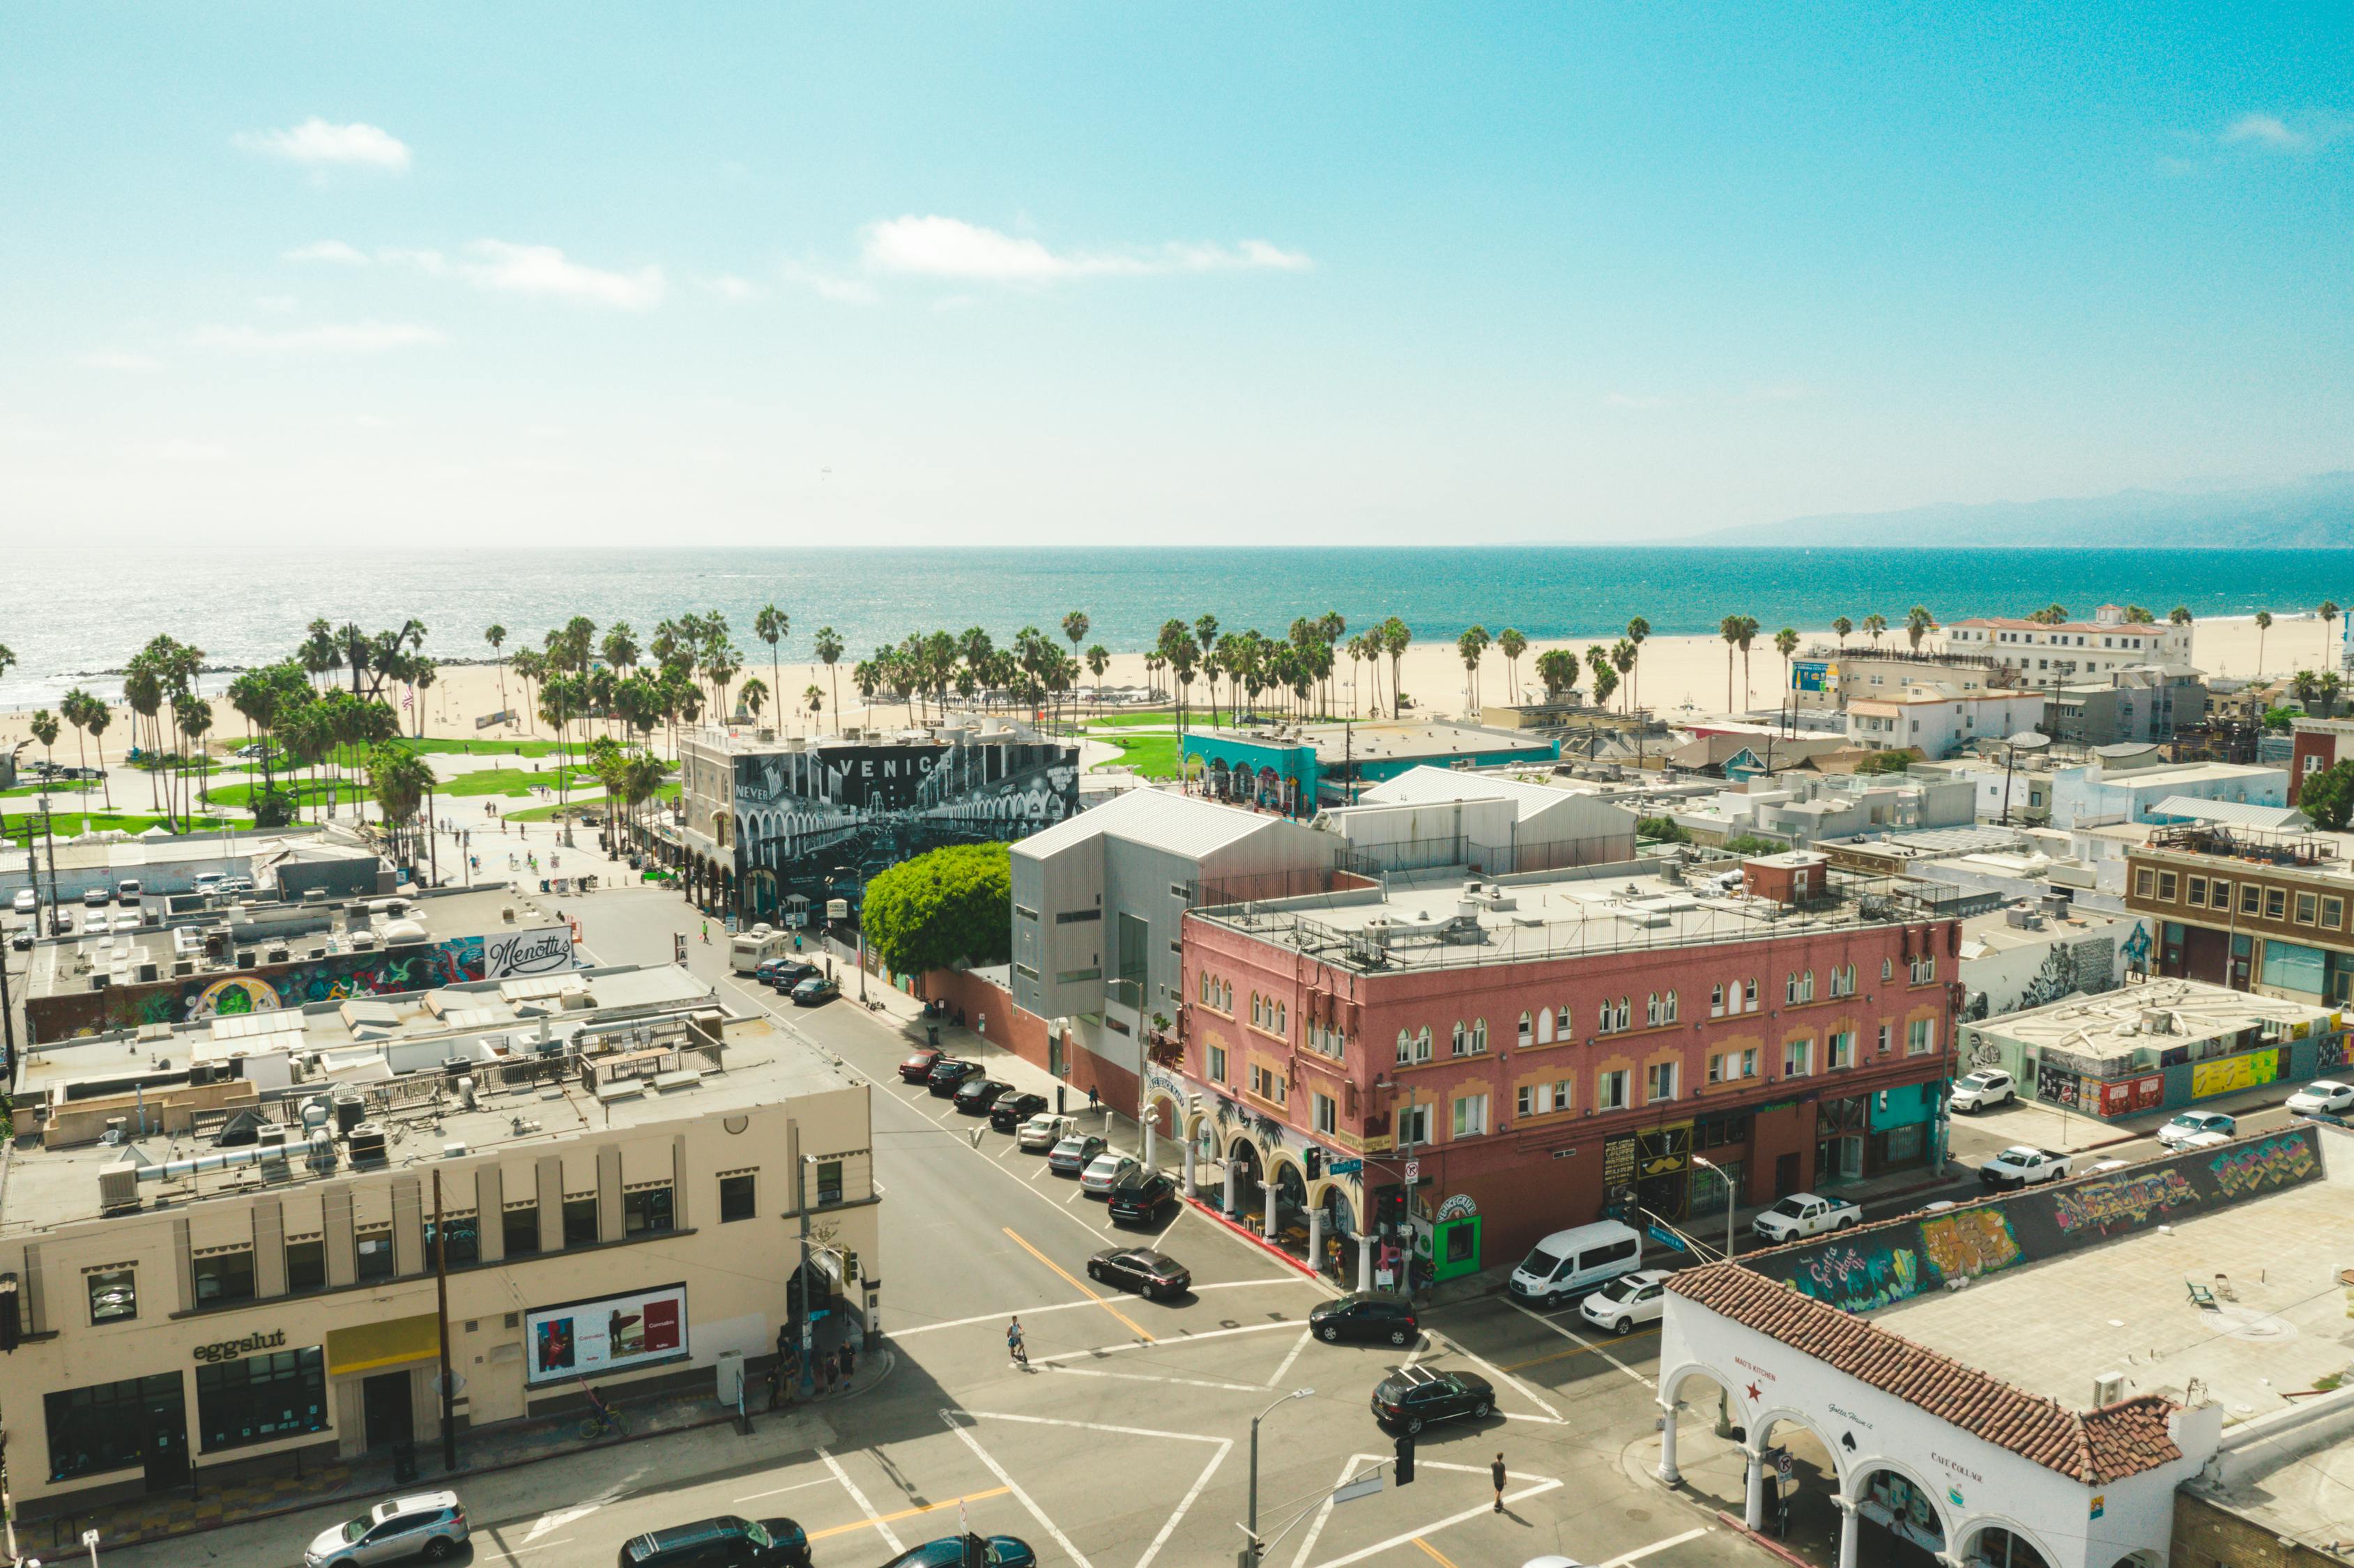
x: 1254, y: 1238
x: 1766, y: 1542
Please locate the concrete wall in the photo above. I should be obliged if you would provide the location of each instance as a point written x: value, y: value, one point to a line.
x: 2209, y: 1535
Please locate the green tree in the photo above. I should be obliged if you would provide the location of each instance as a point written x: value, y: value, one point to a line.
x: 2327, y: 797
x: 1470, y: 645
x: 772, y: 626
x: 953, y: 903
x: 1786, y: 642
x: 829, y: 654
x: 1511, y: 645
x: 402, y: 783
x: 1918, y: 623
x: 1845, y: 629
x: 1396, y: 638
x: 2263, y: 624
x: 496, y: 635
x: 2328, y: 613
x: 1875, y: 626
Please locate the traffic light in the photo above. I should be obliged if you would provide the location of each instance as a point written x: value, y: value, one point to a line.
x: 1315, y: 1163
x: 1403, y: 1472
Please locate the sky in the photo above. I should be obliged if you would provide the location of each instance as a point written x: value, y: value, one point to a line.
x: 451, y: 275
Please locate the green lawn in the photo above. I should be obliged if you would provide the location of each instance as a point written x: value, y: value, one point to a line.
x: 511, y: 781
x: 62, y: 787
x: 484, y: 747
x: 1154, y: 755
x: 547, y: 814
x: 303, y: 789
x: 1121, y: 720
x: 65, y: 825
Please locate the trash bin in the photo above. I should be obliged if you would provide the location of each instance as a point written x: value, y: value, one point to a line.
x: 933, y: 1033
x: 403, y: 1464
x: 543, y: 885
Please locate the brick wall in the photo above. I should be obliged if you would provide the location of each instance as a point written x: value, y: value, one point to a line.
x: 990, y: 1012
x: 2207, y: 1535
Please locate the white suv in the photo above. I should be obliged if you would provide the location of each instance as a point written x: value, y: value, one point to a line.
x: 1629, y: 1299
x: 431, y: 1525
x: 1979, y: 1091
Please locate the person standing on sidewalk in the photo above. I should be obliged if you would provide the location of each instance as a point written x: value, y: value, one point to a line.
x: 1496, y: 1474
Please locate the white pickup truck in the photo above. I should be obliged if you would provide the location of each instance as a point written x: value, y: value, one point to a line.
x: 2022, y: 1166
x: 1804, y: 1214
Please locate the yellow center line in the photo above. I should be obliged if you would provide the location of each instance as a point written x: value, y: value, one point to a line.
x: 1433, y: 1551
x: 911, y: 1513
x: 1573, y: 1350
x: 1133, y: 1326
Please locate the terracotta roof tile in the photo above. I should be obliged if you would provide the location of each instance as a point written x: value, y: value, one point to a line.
x: 2096, y: 1447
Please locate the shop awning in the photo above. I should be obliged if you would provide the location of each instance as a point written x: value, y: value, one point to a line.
x: 373, y: 1345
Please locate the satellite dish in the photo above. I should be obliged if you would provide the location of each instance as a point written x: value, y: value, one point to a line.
x: 2029, y: 740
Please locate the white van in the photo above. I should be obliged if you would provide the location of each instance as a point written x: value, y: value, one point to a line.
x: 1570, y: 1263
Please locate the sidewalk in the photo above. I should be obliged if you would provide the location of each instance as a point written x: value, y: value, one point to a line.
x: 360, y: 1482
x: 2053, y: 1126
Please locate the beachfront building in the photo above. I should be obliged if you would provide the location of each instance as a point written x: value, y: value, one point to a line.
x: 773, y: 829
x: 1483, y: 1060
x: 2068, y: 652
x: 2092, y: 793
x: 1297, y: 770
x: 1824, y: 678
x: 1935, y: 719
x: 221, y: 1244
x: 227, y: 960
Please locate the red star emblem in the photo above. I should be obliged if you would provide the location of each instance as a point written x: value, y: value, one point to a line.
x: 1753, y: 1392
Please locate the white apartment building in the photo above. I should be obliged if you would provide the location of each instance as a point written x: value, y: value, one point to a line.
x: 1935, y: 719
x: 2071, y: 651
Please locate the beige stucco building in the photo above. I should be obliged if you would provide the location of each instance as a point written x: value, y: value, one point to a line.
x: 222, y: 1239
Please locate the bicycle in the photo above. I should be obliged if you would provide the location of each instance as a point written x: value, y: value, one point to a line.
x: 602, y: 1420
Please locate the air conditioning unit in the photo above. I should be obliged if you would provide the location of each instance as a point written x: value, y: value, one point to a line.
x: 2107, y: 1389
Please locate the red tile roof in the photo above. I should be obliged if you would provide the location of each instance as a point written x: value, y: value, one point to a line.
x: 2094, y: 1446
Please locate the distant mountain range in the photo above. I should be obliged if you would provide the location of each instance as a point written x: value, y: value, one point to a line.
x: 2316, y: 512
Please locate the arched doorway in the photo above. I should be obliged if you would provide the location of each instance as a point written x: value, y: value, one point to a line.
x: 1290, y: 1206
x: 1244, y: 1199
x: 1903, y: 1525
x: 1801, y: 1480
x: 1702, y: 1438
x: 2000, y: 1546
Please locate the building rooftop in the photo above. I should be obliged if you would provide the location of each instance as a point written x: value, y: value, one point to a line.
x: 1164, y: 819
x: 985, y: 728
x: 550, y: 1058
x: 2236, y: 813
x: 1336, y: 745
x: 2152, y: 1018
x: 1446, y: 918
x: 2000, y: 930
x: 1420, y: 786
x: 134, y: 853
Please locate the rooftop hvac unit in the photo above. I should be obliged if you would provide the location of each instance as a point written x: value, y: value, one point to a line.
x: 184, y: 966
x: 2108, y: 1388
x: 275, y: 956
x: 314, y: 896
x: 245, y: 957
x: 368, y: 1144
x: 2157, y: 1021
x: 363, y: 938
x: 149, y: 974
x: 100, y: 982
x: 118, y: 1187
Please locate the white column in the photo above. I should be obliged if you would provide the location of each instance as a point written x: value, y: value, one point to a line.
x: 1185, y: 1155
x: 1365, y: 1263
x: 1148, y: 1137
x: 1847, y: 1533
x: 1316, y: 1238
x: 1234, y: 1189
x: 1723, y: 1413
x: 1268, y: 1230
x: 1753, y: 1509
x: 1668, y: 1475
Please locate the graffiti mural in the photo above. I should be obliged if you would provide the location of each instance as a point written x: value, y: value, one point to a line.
x: 1859, y: 1278
x: 2119, y: 1199
x: 1969, y: 1241
x: 2242, y: 1071
x: 2273, y: 1162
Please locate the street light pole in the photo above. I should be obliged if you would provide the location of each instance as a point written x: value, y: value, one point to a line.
x: 1251, y: 1527
x: 1712, y: 1165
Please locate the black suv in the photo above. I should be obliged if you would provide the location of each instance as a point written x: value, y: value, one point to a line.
x: 1417, y: 1397
x: 723, y: 1543
x: 1138, y: 1199
x: 948, y: 1075
x: 1366, y: 1316
x: 975, y: 1096
x: 1010, y: 1110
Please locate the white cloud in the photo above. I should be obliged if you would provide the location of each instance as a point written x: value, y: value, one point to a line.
x: 331, y: 337
x: 935, y: 247
x: 735, y: 289
x: 2268, y: 131
x: 275, y: 301
x: 184, y: 451
x: 826, y: 286
x: 333, y: 251
x: 318, y: 144
x: 430, y: 262
x: 544, y: 271
x: 1635, y: 400
x: 119, y: 359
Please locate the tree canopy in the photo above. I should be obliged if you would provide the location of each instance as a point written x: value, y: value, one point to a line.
x: 948, y: 905
x: 2327, y: 797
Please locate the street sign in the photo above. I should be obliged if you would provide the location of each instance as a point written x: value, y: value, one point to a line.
x: 1412, y: 1172
x: 1345, y: 1167
x: 1355, y: 1489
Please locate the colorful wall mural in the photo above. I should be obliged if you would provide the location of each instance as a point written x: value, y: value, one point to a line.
x: 2244, y: 1072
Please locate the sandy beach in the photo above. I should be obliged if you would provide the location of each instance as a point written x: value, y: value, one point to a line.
x: 1676, y: 677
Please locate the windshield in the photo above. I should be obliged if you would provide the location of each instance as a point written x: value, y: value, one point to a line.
x: 2187, y: 1119
x: 1978, y: 1080
x: 353, y: 1531
x: 757, y: 1536
x: 1790, y: 1206
x: 1542, y: 1263
x: 1619, y: 1289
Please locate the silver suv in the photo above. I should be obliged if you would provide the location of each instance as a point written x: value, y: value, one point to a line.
x: 431, y: 1525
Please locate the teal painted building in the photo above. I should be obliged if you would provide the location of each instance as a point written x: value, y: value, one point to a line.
x: 1300, y: 771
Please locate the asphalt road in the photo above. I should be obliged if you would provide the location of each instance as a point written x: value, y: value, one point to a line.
x: 1127, y: 1443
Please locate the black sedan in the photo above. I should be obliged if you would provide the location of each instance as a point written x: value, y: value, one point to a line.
x: 1138, y: 1201
x: 786, y: 973
x: 1155, y: 1275
x: 1415, y: 1397
x: 975, y: 1096
x: 729, y: 1539
x: 815, y: 990
x: 947, y: 1074
x: 1010, y: 1110
x: 1365, y: 1315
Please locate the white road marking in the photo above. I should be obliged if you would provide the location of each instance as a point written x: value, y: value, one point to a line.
x: 1225, y: 1445
x: 1526, y: 1392
x: 1162, y: 1344
x: 1183, y: 1210
x: 556, y: 1519
x: 1589, y: 1344
x: 1149, y: 1377
x: 881, y: 1528
x: 1324, y: 1511
x: 512, y: 1552
x: 1642, y: 1552
x: 1168, y: 1525
x: 1394, y: 1541
x: 1065, y: 1307
x: 1294, y: 1356
x: 1006, y: 1479
x: 780, y: 1491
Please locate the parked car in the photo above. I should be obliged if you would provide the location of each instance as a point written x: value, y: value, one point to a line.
x: 94, y: 898
x: 2106, y: 1166
x: 1365, y: 1315
x: 1012, y: 1110
x: 1804, y: 1214
x: 1155, y: 1275
x: 1041, y: 1132
x: 129, y: 891
x: 2191, y: 1124
x: 2024, y: 1165
x: 1628, y: 1300
x: 727, y: 1541
x: 947, y: 1074
x: 918, y: 1067
x: 1413, y: 1397
x: 431, y: 1525
x: 815, y: 990
x: 2323, y: 1096
x: 1073, y: 1154
x: 783, y: 974
x: 1104, y: 1171
x: 975, y: 1096
x: 1140, y: 1199
x: 1982, y: 1090
x: 957, y: 1550
x: 123, y: 920
x: 1571, y: 1262
x: 25, y: 903
x: 237, y: 884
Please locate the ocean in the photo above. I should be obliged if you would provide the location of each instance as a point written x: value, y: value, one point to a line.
x: 74, y: 614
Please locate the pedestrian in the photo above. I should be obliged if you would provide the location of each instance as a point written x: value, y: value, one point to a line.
x: 1496, y: 1474
x: 1091, y: 1096
x: 1014, y: 1346
x: 706, y: 933
x: 825, y: 1376
x: 776, y: 1383
x: 849, y: 1363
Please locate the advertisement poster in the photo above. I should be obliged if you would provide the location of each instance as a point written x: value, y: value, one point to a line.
x: 2234, y: 1073
x: 611, y: 1333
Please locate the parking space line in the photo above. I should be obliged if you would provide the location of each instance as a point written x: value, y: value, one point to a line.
x: 1294, y: 1356
x: 1151, y: 1377
x: 1171, y: 1343
x: 1133, y: 1326
x: 1394, y: 1541
x: 1642, y: 1552
x: 1444, y: 1560
x: 880, y: 1519
x: 512, y: 1552
x: 949, y: 1417
x: 1573, y: 1350
x: 780, y: 1491
x: 834, y: 1468
x: 1526, y: 1392
x: 1581, y: 1340
x: 1168, y: 1525
x: 1183, y: 1210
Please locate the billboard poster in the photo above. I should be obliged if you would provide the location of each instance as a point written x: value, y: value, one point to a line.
x: 611, y: 1333
x: 2242, y: 1071
x: 817, y: 823
x: 547, y: 950
x: 1814, y: 675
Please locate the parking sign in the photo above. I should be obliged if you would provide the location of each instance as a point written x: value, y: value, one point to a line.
x: 1412, y: 1172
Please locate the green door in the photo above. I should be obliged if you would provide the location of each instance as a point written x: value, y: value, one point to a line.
x: 1455, y: 1243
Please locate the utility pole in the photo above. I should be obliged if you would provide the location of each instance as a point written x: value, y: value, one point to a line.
x: 1251, y: 1551
x: 442, y: 1306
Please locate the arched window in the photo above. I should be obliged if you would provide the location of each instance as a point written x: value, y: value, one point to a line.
x: 1422, y: 1045
x: 1562, y: 1027
x: 1282, y: 1019
x: 1460, y: 1039
x: 1667, y: 1008
x: 1478, y: 1035
x: 1619, y: 1020
x: 1652, y: 1010
x: 1226, y: 996
x: 1527, y: 1032
x: 1716, y: 1000
x: 1544, y: 1026
x: 1259, y: 1009
x: 1888, y: 968
x: 1405, y: 1048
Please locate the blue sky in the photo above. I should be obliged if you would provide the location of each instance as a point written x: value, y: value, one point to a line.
x: 1089, y: 273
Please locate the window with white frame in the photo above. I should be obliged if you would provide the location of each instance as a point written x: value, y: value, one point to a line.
x: 1843, y: 980
x: 1613, y: 1016
x: 1258, y: 1010
x: 1541, y: 1099
x: 1800, y: 987
x: 1470, y: 1115
x: 1544, y: 1025
x: 1478, y: 1036
x: 1412, y: 1125
x: 1842, y: 1048
x: 1266, y: 1083
x: 1563, y: 1028
x: 1217, y: 1064
x: 1920, y: 1037
x: 1610, y: 1090
x: 1798, y: 1058
x: 1887, y: 1037
x: 1924, y: 970
x: 1326, y: 1111
x: 1749, y: 995
x: 1888, y: 968
x: 1527, y: 1031
x: 1413, y: 1049
x: 1716, y: 1000
x: 1660, y: 1008
x: 1660, y: 1081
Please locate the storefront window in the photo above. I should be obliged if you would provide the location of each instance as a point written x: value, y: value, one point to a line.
x: 1905, y: 1145
x: 828, y: 1181
x: 645, y: 1209
x: 522, y: 1229
x: 736, y: 1198
x: 580, y: 1221
x: 102, y: 1427
x: 113, y: 1296
x: 375, y: 1255
x: 224, y: 1277
x: 306, y: 1265
x: 465, y: 1239
x: 261, y: 1398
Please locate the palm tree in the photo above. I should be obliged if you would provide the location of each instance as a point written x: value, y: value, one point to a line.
x: 1099, y: 660
x: 753, y: 695
x: 1786, y: 642
x: 2263, y: 624
x: 95, y: 718
x: 496, y: 635
x: 1730, y: 630
x: 1511, y: 645
x: 45, y: 730
x: 2328, y: 613
x: 1748, y: 635
x: 74, y: 708
x: 1075, y: 632
x: 2325, y: 691
x: 401, y: 783
x: 1471, y: 644
x: 320, y: 653
x: 828, y: 652
x: 1875, y: 626
x: 813, y: 699
x: 1396, y: 638
x: 1918, y: 623
x: 721, y: 664
x: 1844, y: 628
x: 1638, y: 630
x: 1623, y: 655
x: 772, y: 626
